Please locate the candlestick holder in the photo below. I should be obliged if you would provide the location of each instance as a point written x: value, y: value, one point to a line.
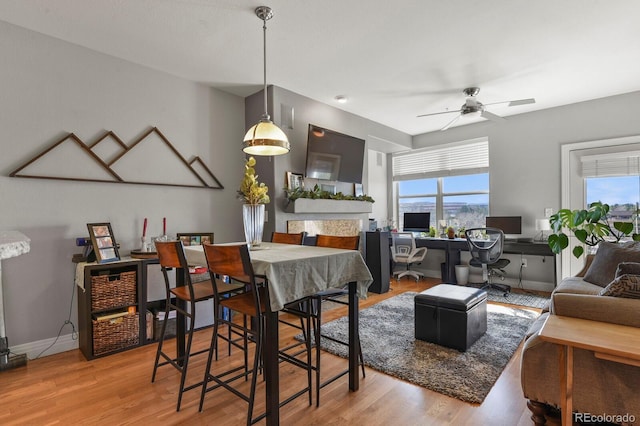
x: 145, y: 246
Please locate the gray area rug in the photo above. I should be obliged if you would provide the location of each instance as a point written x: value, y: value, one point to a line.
x: 388, y: 345
x: 520, y: 299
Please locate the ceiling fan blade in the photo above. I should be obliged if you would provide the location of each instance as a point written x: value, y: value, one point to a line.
x: 490, y: 116
x: 451, y: 123
x: 522, y: 102
x: 514, y: 103
x: 438, y: 113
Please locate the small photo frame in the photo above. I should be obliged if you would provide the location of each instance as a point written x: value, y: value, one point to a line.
x: 103, y: 241
x: 196, y: 239
x: 357, y: 190
x: 331, y: 189
x: 294, y: 180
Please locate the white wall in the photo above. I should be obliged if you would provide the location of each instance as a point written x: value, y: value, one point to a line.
x: 52, y: 87
x: 524, y: 155
x: 377, y: 185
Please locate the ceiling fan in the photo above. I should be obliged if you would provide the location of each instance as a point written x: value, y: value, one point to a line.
x: 476, y: 108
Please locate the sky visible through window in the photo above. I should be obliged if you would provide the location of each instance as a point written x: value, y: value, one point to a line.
x: 613, y: 190
x: 452, y: 184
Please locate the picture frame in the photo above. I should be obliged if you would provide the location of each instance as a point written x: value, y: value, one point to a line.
x: 294, y: 180
x: 104, y: 242
x: 195, y: 238
x: 358, y: 191
x: 331, y: 189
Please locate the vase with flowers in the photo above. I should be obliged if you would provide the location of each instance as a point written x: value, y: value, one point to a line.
x: 254, y: 195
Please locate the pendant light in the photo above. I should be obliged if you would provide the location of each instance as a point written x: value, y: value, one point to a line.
x: 265, y: 138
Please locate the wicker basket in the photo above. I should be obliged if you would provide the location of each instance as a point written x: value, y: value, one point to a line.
x: 118, y: 333
x: 113, y: 291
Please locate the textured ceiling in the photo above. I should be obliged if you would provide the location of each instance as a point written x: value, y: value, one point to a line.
x: 393, y: 60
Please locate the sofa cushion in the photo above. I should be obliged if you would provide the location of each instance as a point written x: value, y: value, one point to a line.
x: 626, y: 285
x: 603, y: 269
x: 632, y: 268
x: 577, y: 285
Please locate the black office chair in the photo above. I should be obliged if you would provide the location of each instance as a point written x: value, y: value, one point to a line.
x: 485, y: 246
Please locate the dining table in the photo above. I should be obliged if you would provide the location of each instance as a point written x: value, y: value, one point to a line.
x: 293, y: 272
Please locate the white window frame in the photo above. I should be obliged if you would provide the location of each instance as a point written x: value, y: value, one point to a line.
x: 573, y: 188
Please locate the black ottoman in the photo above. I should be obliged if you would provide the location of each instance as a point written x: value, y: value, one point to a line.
x: 451, y: 315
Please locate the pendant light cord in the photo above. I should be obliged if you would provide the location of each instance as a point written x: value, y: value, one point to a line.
x: 264, y: 71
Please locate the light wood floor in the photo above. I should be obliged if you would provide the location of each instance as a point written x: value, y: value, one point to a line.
x: 66, y: 389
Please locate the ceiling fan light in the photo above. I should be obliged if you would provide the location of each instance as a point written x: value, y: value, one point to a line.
x: 265, y: 138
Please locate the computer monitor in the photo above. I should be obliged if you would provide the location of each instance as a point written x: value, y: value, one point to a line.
x: 416, y: 222
x: 510, y: 225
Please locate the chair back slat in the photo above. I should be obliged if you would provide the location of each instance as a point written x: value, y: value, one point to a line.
x: 284, y: 238
x: 339, y: 242
x: 231, y: 260
x: 170, y: 254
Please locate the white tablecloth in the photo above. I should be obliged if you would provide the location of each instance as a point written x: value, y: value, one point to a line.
x: 297, y: 271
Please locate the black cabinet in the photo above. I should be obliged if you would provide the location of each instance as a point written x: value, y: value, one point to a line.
x: 377, y: 259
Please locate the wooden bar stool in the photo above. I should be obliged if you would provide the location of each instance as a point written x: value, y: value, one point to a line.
x: 171, y: 256
x: 234, y: 261
x: 336, y: 296
x: 301, y: 310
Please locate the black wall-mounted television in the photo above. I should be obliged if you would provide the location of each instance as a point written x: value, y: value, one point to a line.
x: 416, y: 222
x: 334, y: 156
x: 511, y: 225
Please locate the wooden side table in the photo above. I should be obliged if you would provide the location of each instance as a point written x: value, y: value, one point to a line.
x: 612, y: 342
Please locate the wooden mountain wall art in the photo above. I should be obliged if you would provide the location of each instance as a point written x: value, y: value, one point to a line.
x: 150, y: 160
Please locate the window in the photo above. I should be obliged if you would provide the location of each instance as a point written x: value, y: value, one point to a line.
x: 451, y: 182
x: 614, y: 179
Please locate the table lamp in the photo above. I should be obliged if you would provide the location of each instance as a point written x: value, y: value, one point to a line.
x: 542, y: 225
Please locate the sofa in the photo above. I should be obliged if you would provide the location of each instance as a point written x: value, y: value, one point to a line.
x: 606, y: 289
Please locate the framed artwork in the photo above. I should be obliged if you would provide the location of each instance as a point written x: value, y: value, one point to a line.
x: 294, y: 180
x: 357, y: 189
x: 331, y: 189
x: 196, y: 239
x: 103, y: 241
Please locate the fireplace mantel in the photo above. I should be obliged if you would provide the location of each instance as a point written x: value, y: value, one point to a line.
x: 309, y: 205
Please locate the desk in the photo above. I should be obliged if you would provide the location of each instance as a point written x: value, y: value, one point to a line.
x: 612, y: 342
x: 453, y: 247
x: 294, y: 272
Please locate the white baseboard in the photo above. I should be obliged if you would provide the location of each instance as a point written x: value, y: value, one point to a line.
x: 33, y: 349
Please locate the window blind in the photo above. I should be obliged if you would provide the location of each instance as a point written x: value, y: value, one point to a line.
x: 444, y: 160
x: 613, y: 164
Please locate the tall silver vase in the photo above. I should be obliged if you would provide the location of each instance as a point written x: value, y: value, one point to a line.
x: 253, y: 219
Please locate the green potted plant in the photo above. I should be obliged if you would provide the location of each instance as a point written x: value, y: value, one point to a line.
x: 590, y: 226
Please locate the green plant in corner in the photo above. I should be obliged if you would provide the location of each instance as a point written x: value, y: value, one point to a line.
x: 590, y: 227
x: 251, y: 191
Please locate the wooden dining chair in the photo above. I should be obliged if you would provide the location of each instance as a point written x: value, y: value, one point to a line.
x: 234, y: 261
x: 309, y: 310
x: 182, y: 299
x: 299, y: 309
x: 285, y: 238
x: 335, y: 295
